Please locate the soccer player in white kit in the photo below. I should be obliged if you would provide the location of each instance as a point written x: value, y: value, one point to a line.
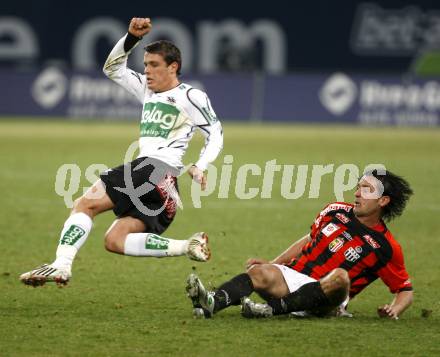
x: 143, y: 193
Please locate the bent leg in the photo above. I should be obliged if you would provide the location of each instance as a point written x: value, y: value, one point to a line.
x: 232, y: 291
x: 73, y: 235
x: 320, y: 296
x: 268, y: 280
x: 94, y: 201
x: 116, y: 235
x: 265, y: 279
x: 127, y: 236
x: 78, y: 226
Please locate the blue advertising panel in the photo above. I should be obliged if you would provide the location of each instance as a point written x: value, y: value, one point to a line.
x: 344, y: 98
x: 53, y: 92
x: 328, y: 98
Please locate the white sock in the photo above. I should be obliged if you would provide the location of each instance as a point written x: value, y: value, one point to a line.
x: 74, y: 234
x: 152, y: 245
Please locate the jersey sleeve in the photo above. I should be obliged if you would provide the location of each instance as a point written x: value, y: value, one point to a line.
x: 394, y: 274
x: 116, y: 69
x: 203, y: 116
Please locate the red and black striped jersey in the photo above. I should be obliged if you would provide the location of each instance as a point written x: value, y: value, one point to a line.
x: 339, y: 240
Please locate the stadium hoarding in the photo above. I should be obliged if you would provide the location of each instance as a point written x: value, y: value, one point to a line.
x: 326, y: 98
x: 367, y: 36
x: 344, y: 98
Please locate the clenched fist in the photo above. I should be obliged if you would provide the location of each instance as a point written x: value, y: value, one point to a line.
x: 139, y: 26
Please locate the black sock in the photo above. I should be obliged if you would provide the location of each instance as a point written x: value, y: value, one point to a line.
x: 231, y: 292
x: 308, y: 297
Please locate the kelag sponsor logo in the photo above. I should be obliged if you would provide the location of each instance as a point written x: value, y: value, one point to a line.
x: 73, y: 234
x: 156, y: 242
x: 158, y: 119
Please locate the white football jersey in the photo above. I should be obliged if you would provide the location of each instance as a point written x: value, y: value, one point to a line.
x: 169, y: 119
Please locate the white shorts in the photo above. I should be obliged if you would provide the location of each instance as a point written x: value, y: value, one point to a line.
x: 294, y: 279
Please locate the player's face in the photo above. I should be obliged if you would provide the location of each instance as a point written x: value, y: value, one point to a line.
x: 368, y: 197
x: 160, y: 76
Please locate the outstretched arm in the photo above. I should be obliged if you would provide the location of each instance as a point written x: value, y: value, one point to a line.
x: 285, y: 257
x: 115, y: 66
x: 400, y: 303
x: 292, y: 252
x: 395, y: 276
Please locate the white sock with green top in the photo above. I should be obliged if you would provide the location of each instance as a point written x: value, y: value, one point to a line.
x: 74, y: 234
x: 153, y: 245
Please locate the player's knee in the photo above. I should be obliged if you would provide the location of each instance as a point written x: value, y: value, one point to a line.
x: 85, y: 205
x: 261, y: 276
x: 77, y: 205
x: 108, y: 242
x: 336, y: 286
x: 82, y: 204
x: 113, y: 242
x: 341, y: 279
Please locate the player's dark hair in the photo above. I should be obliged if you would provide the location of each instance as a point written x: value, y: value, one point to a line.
x: 167, y: 50
x: 397, y: 189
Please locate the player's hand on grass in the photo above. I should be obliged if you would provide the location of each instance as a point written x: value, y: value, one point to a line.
x: 139, y: 26
x: 255, y: 261
x: 198, y: 176
x: 387, y: 311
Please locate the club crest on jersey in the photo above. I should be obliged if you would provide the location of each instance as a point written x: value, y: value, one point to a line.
x: 351, y: 255
x: 336, y: 244
x: 371, y: 241
x: 342, y: 217
x: 158, y: 119
x: 329, y: 229
x: 172, y: 100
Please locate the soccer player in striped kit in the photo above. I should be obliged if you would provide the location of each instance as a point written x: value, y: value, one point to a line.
x: 349, y: 247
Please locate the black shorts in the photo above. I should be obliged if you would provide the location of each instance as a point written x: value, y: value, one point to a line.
x: 141, y: 189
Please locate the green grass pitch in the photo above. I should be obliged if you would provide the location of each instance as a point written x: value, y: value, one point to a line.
x: 123, y: 306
